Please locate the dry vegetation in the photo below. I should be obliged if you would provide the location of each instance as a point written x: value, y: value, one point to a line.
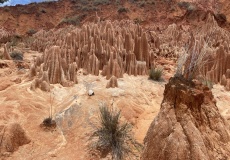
x: 112, y: 136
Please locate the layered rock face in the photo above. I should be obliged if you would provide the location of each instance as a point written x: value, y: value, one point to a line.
x: 188, y: 126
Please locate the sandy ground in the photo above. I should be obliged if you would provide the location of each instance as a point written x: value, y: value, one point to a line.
x: 75, y: 112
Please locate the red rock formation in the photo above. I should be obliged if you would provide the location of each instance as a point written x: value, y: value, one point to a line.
x: 113, y: 68
x: 97, y: 46
x: 52, y: 64
x: 228, y: 85
x: 131, y: 64
x: 228, y: 73
x: 188, y: 126
x: 223, y: 81
x: 33, y: 71
x: 6, y: 54
x: 93, y: 65
x: 12, y: 137
x: 112, y: 82
x: 55, y: 66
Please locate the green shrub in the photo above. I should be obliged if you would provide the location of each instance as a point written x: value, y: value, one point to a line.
x: 16, y: 55
x: 184, y: 4
x: 118, y: 2
x: 113, y: 137
x: 84, y: 2
x: 122, y: 9
x: 30, y: 32
x: 75, y: 20
x: 43, y: 10
x: 89, y: 8
x: 49, y: 123
x: 101, y: 2
x: 155, y: 74
x: 187, y: 5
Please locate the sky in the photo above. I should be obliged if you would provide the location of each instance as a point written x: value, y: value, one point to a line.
x: 14, y: 2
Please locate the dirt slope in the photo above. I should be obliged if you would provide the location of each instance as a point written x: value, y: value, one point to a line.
x: 22, y: 19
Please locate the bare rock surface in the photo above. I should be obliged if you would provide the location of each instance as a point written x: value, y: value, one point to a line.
x: 188, y: 126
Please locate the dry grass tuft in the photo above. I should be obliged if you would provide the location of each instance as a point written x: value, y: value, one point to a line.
x: 112, y: 136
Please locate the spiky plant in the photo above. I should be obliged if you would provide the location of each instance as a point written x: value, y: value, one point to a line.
x: 47, y: 122
x: 155, y: 74
x: 112, y: 136
x: 50, y: 122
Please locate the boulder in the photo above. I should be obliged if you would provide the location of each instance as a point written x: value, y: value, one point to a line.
x: 12, y: 137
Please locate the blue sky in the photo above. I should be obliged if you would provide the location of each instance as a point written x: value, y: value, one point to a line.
x: 14, y: 2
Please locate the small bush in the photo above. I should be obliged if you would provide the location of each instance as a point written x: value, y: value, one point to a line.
x: 118, y: 2
x: 16, y: 55
x: 89, y: 8
x: 113, y: 137
x: 84, y: 2
x: 101, y: 2
x: 122, y: 9
x: 184, y: 4
x: 49, y: 123
x: 155, y: 74
x: 141, y: 3
x: 43, y: 10
x: 75, y: 20
x: 187, y: 5
x: 30, y: 32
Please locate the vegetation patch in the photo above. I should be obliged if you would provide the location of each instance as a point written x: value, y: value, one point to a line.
x: 187, y: 5
x: 74, y: 20
x: 30, y: 32
x: 122, y: 9
x: 112, y: 136
x: 101, y: 2
x: 155, y: 74
x: 16, y: 55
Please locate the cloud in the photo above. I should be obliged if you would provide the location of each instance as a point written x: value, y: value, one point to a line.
x: 23, y: 2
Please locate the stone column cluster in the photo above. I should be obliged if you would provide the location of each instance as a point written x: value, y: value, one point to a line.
x: 114, y: 48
